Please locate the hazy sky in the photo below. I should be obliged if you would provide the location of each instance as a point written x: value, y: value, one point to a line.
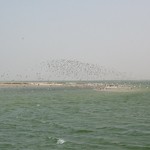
x: 112, y: 33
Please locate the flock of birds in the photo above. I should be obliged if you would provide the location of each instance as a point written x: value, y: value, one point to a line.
x: 68, y: 70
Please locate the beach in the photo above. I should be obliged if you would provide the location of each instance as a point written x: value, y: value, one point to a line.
x: 97, y: 86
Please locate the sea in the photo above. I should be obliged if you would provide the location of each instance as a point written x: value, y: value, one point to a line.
x: 63, y: 118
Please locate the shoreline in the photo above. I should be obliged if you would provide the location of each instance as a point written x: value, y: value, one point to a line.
x: 97, y: 86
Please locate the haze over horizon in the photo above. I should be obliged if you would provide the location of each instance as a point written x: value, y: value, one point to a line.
x: 110, y: 33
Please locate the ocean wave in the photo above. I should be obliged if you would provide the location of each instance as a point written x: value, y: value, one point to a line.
x: 57, y: 140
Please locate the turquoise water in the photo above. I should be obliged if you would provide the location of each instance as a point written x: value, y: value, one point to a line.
x: 74, y: 119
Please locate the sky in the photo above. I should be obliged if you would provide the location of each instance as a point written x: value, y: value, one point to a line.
x: 111, y: 33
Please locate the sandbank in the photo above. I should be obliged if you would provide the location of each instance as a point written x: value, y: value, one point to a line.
x: 86, y: 85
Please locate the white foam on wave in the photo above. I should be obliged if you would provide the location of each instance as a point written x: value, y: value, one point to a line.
x: 60, y: 141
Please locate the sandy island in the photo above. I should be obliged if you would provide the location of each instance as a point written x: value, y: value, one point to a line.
x: 87, y: 85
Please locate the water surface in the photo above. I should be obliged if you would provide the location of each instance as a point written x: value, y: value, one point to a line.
x: 74, y: 119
